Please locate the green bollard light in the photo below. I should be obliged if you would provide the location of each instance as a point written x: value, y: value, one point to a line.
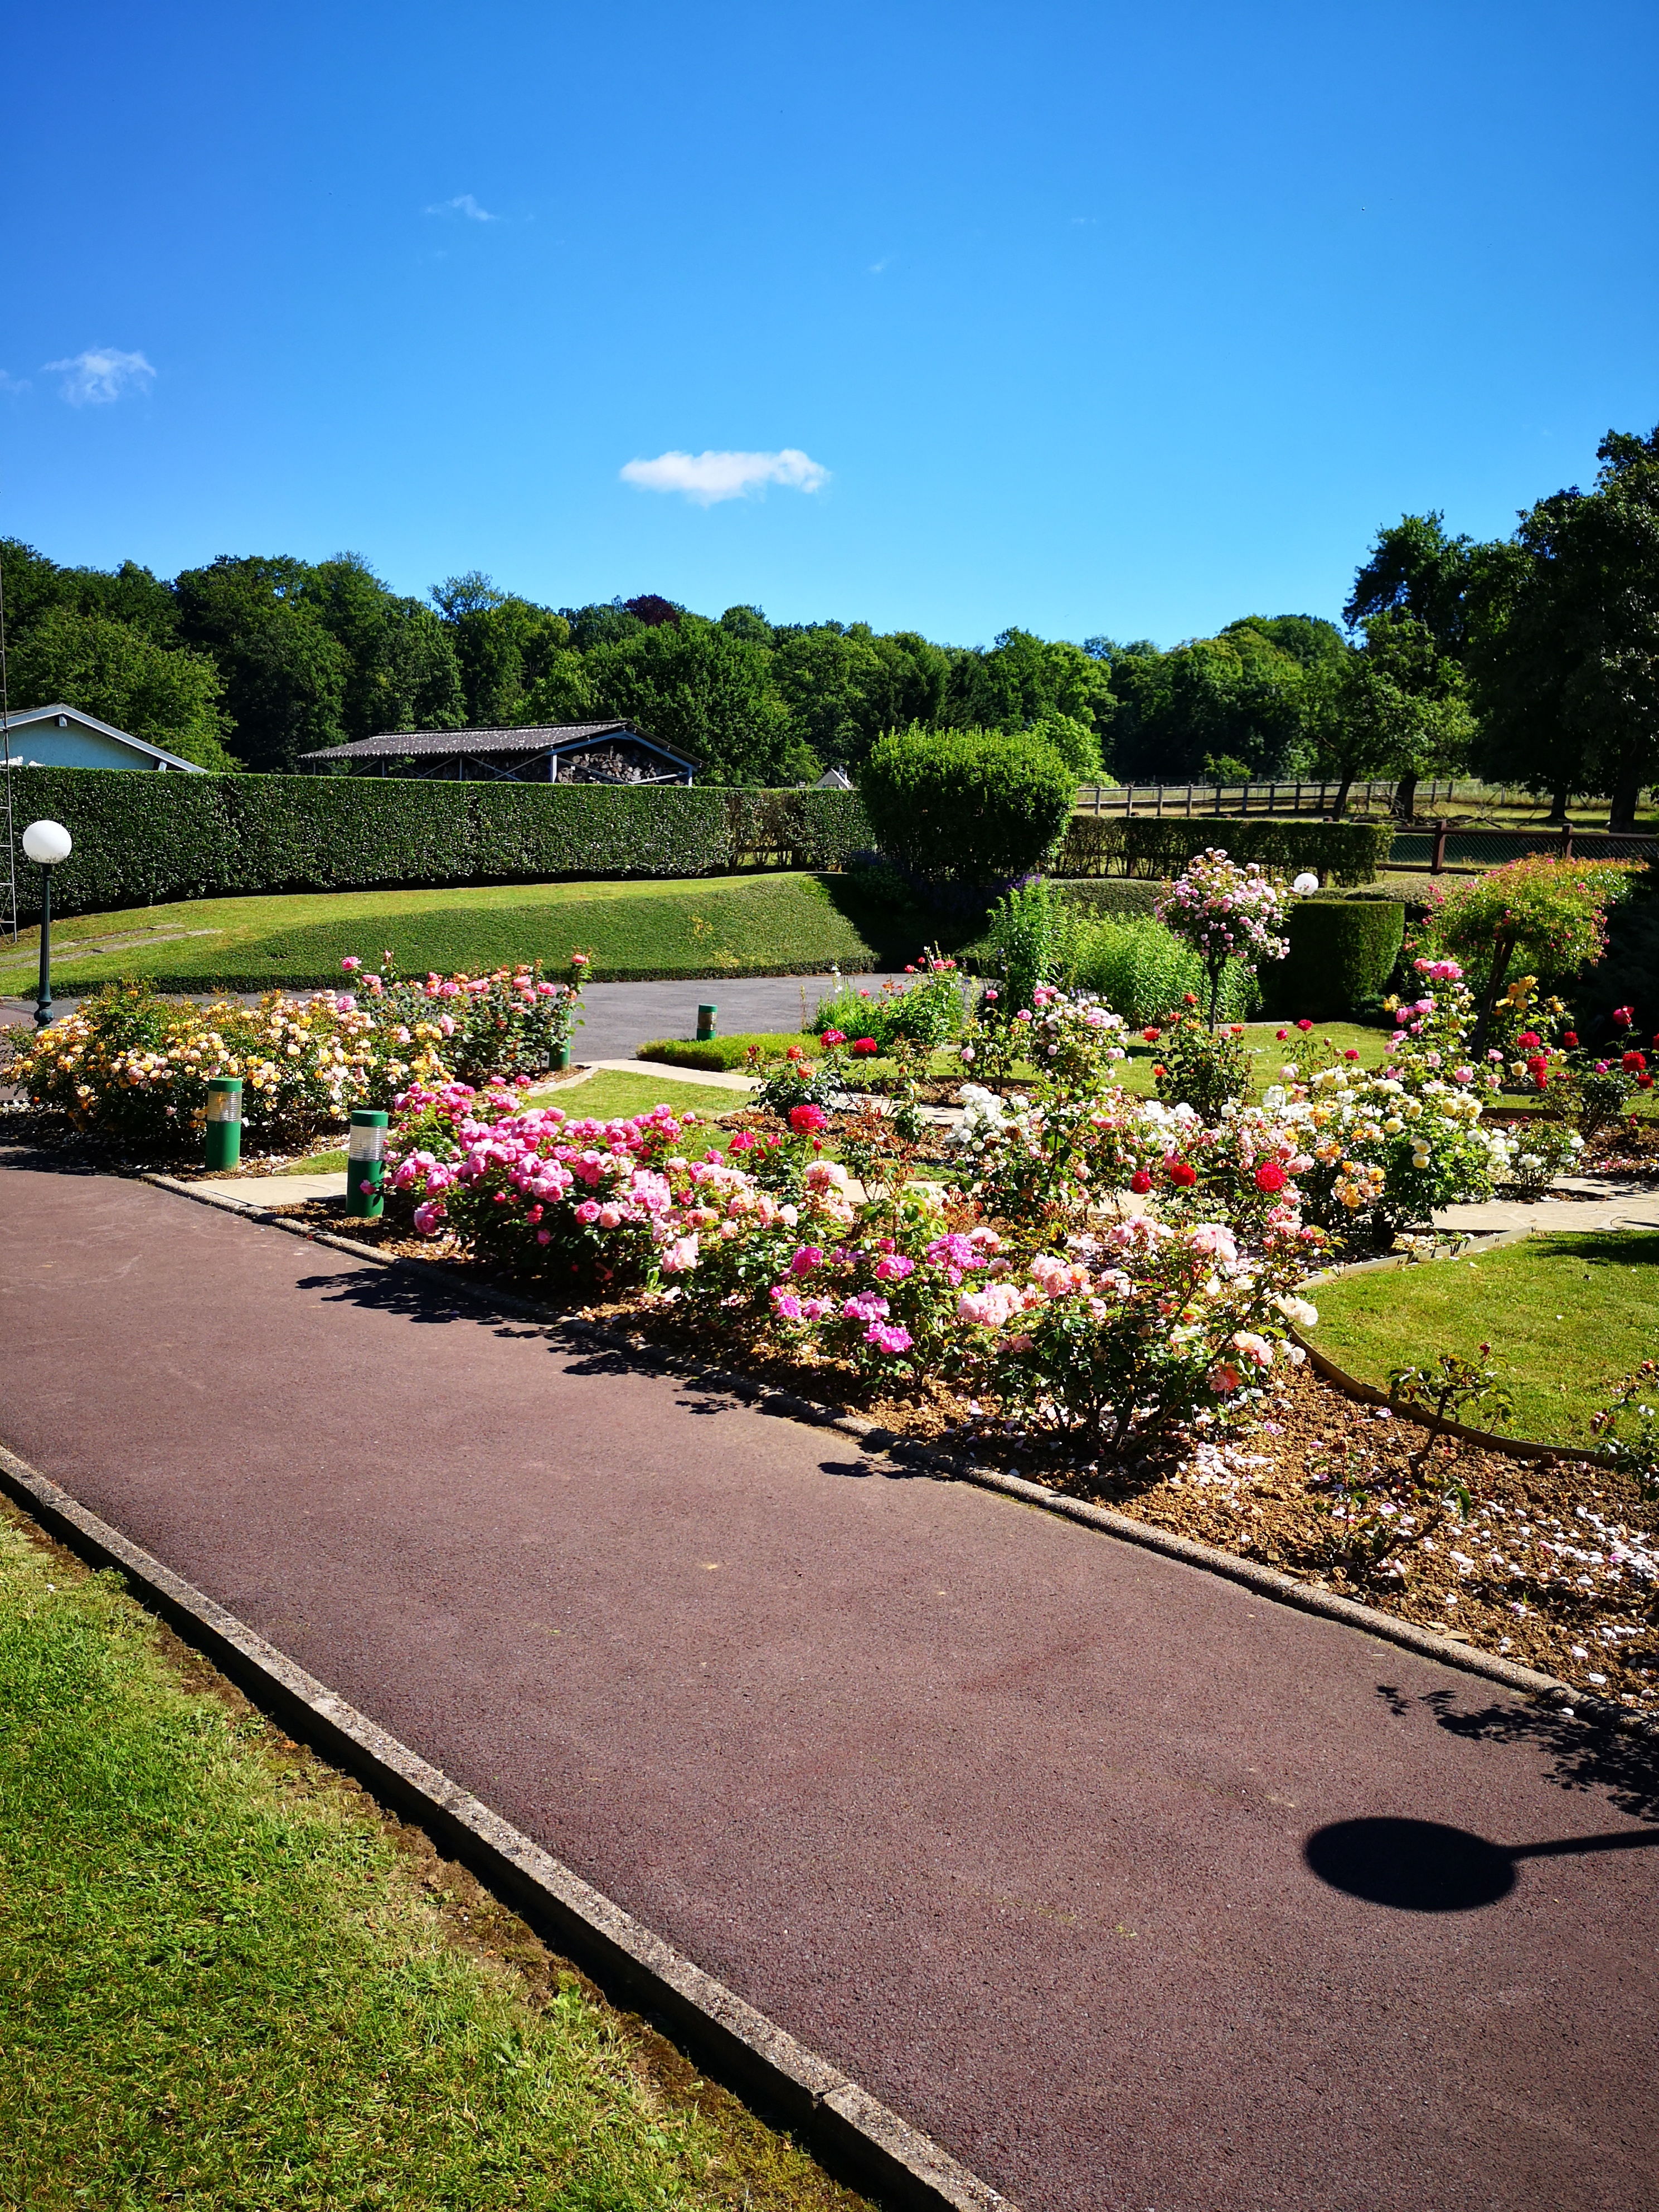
x: 366, y: 1161
x: 224, y: 1121
x: 706, y: 1023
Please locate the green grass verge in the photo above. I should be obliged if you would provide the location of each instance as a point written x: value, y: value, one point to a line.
x: 752, y: 925
x: 728, y: 1055
x: 226, y: 1989
x: 1567, y: 1318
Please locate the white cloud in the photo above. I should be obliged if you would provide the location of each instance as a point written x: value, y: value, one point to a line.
x: 464, y: 204
x: 99, y: 374
x: 707, y: 478
x: 12, y: 386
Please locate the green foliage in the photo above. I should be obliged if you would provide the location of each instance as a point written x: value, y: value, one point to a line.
x: 1396, y: 709
x: 285, y: 674
x: 843, y: 686
x: 1549, y: 914
x: 1342, y: 951
x: 1242, y: 696
x: 1025, y: 680
x: 1113, y: 898
x: 1207, y: 1069
x: 1346, y: 852
x: 924, y: 1013
x: 1139, y: 968
x: 113, y: 671
x: 704, y: 688
x: 151, y: 837
x: 969, y: 809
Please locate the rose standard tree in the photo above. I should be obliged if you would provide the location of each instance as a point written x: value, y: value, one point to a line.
x: 1226, y: 912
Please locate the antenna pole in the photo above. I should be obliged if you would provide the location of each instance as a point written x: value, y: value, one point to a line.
x: 5, y: 743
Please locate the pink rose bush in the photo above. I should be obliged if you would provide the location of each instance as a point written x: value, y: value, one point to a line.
x: 471, y: 1028
x: 1226, y: 912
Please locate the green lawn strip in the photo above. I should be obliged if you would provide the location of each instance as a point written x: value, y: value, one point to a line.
x: 769, y: 924
x: 612, y: 1096
x: 225, y: 1988
x: 729, y: 1055
x: 1567, y: 1317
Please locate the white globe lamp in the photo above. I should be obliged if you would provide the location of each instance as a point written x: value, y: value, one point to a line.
x: 46, y: 843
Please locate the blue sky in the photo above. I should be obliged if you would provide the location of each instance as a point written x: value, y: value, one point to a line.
x: 1088, y: 319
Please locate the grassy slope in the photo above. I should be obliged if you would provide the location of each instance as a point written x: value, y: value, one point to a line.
x: 716, y: 926
x: 1567, y: 1318
x: 224, y: 1989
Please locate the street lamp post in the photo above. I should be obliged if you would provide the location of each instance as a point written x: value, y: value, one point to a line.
x: 46, y: 843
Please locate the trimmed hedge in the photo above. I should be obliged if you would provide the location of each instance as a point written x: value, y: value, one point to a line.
x: 140, y: 838
x: 1342, y: 951
x: 1344, y: 852
x: 1111, y: 898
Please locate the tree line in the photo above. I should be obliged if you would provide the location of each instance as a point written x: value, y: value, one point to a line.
x: 1532, y: 660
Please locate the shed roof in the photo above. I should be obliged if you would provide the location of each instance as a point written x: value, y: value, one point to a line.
x: 455, y: 745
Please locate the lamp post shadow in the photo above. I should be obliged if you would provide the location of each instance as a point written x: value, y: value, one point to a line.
x: 1425, y: 1866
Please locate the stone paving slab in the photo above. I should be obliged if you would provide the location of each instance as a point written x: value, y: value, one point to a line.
x: 1010, y: 1821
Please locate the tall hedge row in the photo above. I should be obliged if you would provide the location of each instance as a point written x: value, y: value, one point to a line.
x: 1344, y: 852
x: 140, y: 838
x: 1342, y: 951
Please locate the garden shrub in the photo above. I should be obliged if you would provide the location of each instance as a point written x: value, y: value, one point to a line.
x: 141, y: 839
x: 925, y: 1013
x: 1198, y: 1066
x: 963, y: 814
x: 1342, y: 951
x: 1111, y: 898
x: 1143, y: 971
x: 725, y: 1055
x: 1226, y: 913
x: 1345, y: 853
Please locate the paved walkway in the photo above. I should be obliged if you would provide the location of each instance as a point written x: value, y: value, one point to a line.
x: 1004, y: 1817
x: 1599, y: 1202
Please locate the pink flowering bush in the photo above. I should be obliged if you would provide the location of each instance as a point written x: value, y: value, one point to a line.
x: 1140, y: 1328
x: 514, y: 1021
x: 1226, y: 913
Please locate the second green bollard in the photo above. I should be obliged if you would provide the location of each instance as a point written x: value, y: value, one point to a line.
x: 366, y: 1161
x: 706, y: 1023
x: 224, y: 1121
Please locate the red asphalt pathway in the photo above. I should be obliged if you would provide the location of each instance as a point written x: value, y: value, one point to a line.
x: 1004, y: 1817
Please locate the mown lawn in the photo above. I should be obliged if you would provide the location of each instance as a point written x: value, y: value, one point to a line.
x: 715, y: 926
x: 1567, y: 1317
x: 225, y: 1987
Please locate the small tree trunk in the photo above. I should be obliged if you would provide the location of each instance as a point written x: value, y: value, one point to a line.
x: 1627, y: 790
x: 1501, y: 952
x: 1341, y: 802
x: 1404, y: 796
x: 1558, y: 797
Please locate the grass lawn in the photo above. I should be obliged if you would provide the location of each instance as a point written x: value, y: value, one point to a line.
x: 715, y: 926
x: 227, y: 1986
x: 1567, y: 1317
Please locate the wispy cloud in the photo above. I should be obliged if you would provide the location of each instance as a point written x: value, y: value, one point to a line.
x: 13, y: 387
x: 877, y: 267
x: 463, y: 203
x: 707, y: 478
x: 100, y: 374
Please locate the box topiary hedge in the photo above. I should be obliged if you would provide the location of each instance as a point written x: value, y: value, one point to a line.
x: 140, y: 837
x: 1111, y: 898
x: 1342, y: 951
x: 1346, y: 852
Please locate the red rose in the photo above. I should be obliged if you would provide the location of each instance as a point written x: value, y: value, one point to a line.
x: 1530, y: 1039
x: 1140, y: 1181
x: 1270, y: 1176
x: 1190, y: 997
x: 832, y: 1038
x: 1304, y: 1025
x: 1633, y: 1063
x: 803, y: 1120
x: 866, y: 1048
x: 1352, y: 1053
x: 1180, y: 1174
x: 1152, y: 1035
x: 1281, y: 1036
x: 1570, y: 1039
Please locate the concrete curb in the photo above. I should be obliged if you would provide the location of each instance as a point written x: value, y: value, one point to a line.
x: 1267, y: 1582
x: 737, y: 2044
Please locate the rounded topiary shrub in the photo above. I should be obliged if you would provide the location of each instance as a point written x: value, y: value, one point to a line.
x: 1341, y: 950
x: 965, y: 814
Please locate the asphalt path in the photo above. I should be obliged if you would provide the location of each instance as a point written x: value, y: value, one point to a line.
x: 1134, y: 1890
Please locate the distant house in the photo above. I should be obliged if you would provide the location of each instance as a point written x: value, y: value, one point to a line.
x: 64, y: 737
x: 834, y: 779
x: 556, y: 752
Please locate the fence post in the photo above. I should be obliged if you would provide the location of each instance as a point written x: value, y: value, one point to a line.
x: 1217, y: 799
x: 1438, y: 865
x: 1160, y: 802
x: 1096, y: 801
x: 1189, y: 802
x: 1566, y: 840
